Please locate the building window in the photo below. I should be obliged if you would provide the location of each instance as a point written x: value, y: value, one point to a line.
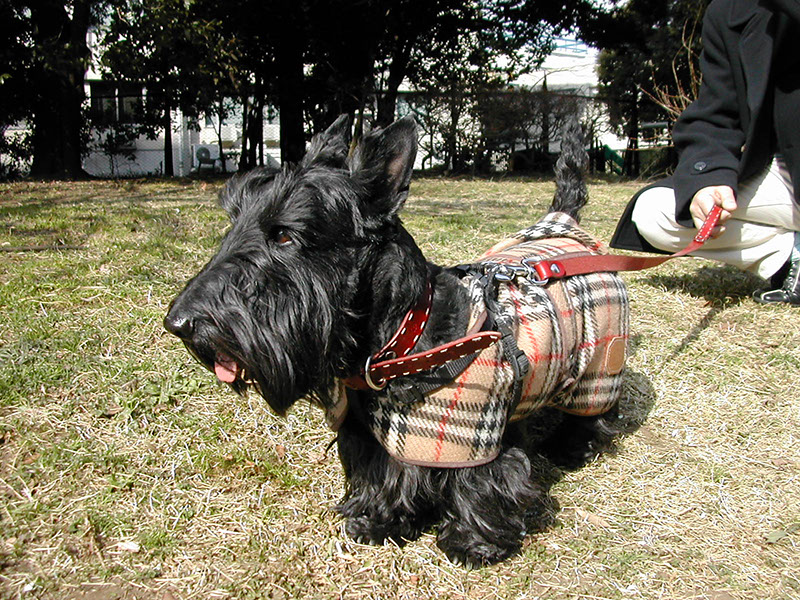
x: 115, y: 102
x: 563, y: 46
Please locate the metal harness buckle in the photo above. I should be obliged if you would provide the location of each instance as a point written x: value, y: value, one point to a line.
x: 509, y: 273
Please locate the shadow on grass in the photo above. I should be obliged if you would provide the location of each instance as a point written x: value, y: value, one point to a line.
x: 559, y: 443
x: 721, y: 286
x: 45, y: 197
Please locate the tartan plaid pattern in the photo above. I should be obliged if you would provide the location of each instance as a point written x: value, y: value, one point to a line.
x: 573, y: 331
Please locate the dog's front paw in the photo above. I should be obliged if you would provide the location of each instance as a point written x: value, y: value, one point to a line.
x: 363, y: 531
x: 468, y: 548
x: 366, y: 530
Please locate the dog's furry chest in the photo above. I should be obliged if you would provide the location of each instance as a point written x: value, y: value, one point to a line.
x: 572, y: 331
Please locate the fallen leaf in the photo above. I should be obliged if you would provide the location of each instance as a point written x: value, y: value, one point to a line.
x: 592, y: 518
x: 129, y: 546
x: 111, y: 411
x: 773, y: 537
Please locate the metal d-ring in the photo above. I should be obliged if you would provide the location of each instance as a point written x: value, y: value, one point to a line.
x: 533, y: 276
x: 368, y: 379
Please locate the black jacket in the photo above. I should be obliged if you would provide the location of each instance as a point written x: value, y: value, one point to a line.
x: 727, y: 134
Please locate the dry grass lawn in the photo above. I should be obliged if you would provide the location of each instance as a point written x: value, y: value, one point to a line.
x: 127, y: 472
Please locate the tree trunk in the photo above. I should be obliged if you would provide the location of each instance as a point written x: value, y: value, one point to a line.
x: 256, y: 129
x: 243, y: 157
x: 169, y: 167
x: 544, y: 138
x: 57, y: 118
x: 259, y: 137
x: 252, y: 134
x: 632, y: 164
x: 387, y: 102
x: 451, y: 144
x: 289, y: 55
x: 222, y: 158
x: 290, y: 103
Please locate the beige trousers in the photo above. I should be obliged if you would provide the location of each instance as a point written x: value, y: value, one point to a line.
x: 759, y: 235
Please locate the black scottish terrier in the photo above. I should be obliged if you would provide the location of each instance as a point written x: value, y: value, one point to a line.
x: 317, y: 274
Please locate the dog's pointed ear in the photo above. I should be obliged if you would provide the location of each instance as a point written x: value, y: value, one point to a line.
x: 331, y: 146
x: 383, y: 163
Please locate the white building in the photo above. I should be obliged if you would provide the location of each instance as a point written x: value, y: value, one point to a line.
x: 195, y: 145
x: 572, y: 68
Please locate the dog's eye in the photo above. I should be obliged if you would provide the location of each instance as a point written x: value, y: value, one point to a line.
x: 282, y: 236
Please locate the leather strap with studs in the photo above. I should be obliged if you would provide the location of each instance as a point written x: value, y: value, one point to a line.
x: 376, y: 375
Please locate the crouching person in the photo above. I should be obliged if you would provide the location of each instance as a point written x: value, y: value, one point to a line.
x: 739, y: 148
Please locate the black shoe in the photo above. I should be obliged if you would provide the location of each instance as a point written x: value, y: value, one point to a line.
x: 789, y: 290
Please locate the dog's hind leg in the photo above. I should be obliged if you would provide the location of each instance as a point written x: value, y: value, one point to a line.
x: 485, y: 509
x: 385, y: 499
x: 576, y: 440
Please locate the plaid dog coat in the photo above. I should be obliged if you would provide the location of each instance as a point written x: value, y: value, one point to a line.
x: 573, y: 331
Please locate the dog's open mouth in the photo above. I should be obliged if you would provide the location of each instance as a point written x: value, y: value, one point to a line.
x: 226, y: 369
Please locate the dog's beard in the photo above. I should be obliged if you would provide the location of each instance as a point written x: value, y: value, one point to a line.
x: 285, y: 344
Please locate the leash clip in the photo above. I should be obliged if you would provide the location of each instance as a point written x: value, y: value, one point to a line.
x: 536, y: 271
x: 506, y: 273
x: 542, y: 271
x: 510, y: 273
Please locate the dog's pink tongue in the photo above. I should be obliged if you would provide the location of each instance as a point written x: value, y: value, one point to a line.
x: 226, y: 370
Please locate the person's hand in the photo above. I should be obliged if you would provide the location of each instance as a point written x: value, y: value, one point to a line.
x: 706, y: 199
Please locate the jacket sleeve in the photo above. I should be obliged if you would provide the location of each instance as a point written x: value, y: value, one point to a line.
x: 709, y: 134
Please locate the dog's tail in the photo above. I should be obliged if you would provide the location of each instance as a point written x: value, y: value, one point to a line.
x: 571, y: 194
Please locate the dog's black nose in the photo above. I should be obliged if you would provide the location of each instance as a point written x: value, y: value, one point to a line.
x: 179, y: 324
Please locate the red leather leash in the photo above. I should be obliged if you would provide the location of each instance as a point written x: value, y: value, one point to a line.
x: 394, y: 360
x: 581, y: 264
